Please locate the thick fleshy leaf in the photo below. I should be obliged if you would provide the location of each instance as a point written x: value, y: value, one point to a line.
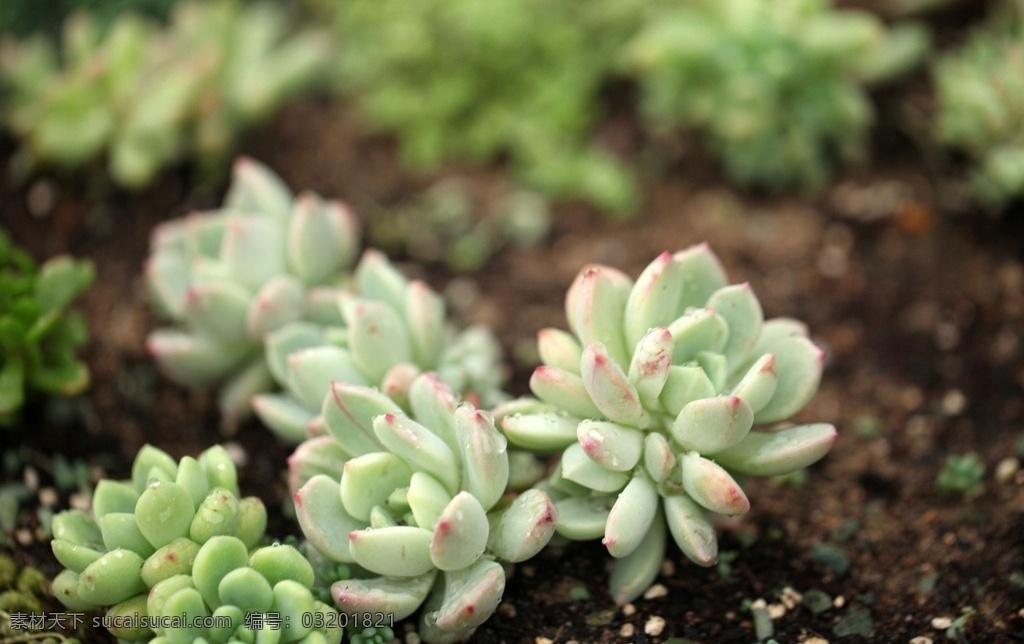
x: 648, y: 371
x: 311, y: 372
x: 710, y: 425
x: 252, y: 251
x: 234, y: 400
x: 176, y: 558
x: 419, y: 447
x: 279, y: 562
x: 284, y: 416
x: 484, y: 457
x: 580, y: 468
x: 702, y: 275
x: 460, y: 534
x: 72, y: 555
x: 583, y: 518
x: 740, y: 308
x: 398, y: 596
x: 190, y: 359
x: 779, y: 452
x: 125, y: 624
x: 559, y: 349
x: 427, y: 499
x: 378, y: 338
x: 631, y: 516
x: 684, y: 385
x: 469, y: 597
x: 522, y: 528
x: 112, y: 578
x: 246, y: 589
x: 425, y: 313
x: 110, y: 496
x: 541, y: 432
x: 216, y: 558
x: 690, y: 528
x: 634, y: 573
x: 220, y: 469
x: 164, y: 513
x: 218, y: 309
x: 695, y: 331
x: 190, y: 607
x: 121, y: 531
x: 295, y: 600
x: 318, y: 455
x: 595, y: 307
x: 710, y: 485
x: 167, y: 278
x: 216, y: 515
x: 398, y: 551
x: 378, y: 279
x: 323, y: 518
x: 564, y: 390
x: 758, y: 384
x: 799, y: 363
x: 348, y: 415
x: 287, y: 340
x: 609, y: 388
x: 280, y: 301
x: 369, y: 480
x: 433, y: 404
x: 322, y: 239
x: 615, y: 447
x: 256, y: 189
x: 654, y: 299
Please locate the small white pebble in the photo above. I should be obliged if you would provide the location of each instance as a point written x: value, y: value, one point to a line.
x: 80, y: 501
x: 31, y: 478
x: 668, y: 568
x: 839, y: 601
x: 791, y: 598
x: 776, y: 610
x: 627, y: 630
x: 23, y: 536
x: 237, y: 453
x: 654, y: 626
x: 656, y: 591
x: 953, y: 402
x: 48, y: 497
x: 758, y: 604
x: 1007, y: 468
x: 814, y: 639
x: 921, y: 639
x: 540, y: 639
x: 413, y: 638
x: 628, y: 609
x: 942, y: 623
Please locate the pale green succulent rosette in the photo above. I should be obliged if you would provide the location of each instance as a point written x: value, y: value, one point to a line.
x: 664, y: 389
x: 178, y: 541
x: 386, y: 330
x: 229, y: 277
x: 418, y: 501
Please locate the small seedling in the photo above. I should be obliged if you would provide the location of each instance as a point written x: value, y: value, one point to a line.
x: 961, y: 474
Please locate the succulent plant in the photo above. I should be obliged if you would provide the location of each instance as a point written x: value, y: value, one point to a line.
x: 148, y: 96
x: 460, y: 80
x: 38, y: 335
x: 176, y: 540
x: 981, y: 102
x: 382, y: 330
x: 778, y: 89
x: 229, y: 277
x: 417, y: 501
x: 663, y: 391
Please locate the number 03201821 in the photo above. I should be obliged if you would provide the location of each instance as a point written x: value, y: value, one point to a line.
x: 343, y: 620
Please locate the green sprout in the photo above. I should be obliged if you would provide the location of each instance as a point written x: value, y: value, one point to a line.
x: 961, y: 474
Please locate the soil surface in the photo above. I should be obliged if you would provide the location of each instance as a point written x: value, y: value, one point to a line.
x: 917, y: 298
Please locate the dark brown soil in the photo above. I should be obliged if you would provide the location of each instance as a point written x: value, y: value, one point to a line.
x: 918, y: 299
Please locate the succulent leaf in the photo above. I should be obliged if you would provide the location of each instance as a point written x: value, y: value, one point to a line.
x: 764, y: 453
x: 469, y: 597
x: 369, y: 480
x: 632, y: 574
x: 710, y: 485
x: 564, y: 390
x: 581, y: 518
x: 324, y: 519
x: 609, y: 389
x: 615, y: 447
x: 559, y: 349
x: 578, y: 467
x: 595, y: 308
x: 348, y: 414
x: 654, y: 298
x: 460, y: 533
x: 631, y: 516
x: 709, y: 425
x: 398, y: 596
x: 741, y: 310
x: 690, y: 528
x: 419, y: 447
x: 397, y: 551
x: 521, y: 529
x: 541, y: 432
x: 757, y: 386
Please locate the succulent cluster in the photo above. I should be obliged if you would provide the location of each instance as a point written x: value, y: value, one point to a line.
x: 229, y: 277
x: 664, y: 389
x: 147, y: 96
x: 38, y: 334
x: 459, y: 79
x: 981, y: 105
x: 172, y: 556
x: 776, y: 88
x: 416, y: 500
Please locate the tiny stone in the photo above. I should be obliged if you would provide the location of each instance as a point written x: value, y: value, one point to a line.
x: 628, y: 609
x: 790, y: 597
x: 31, y: 478
x: 654, y: 626
x: 776, y: 610
x: 1007, y: 469
x: 507, y: 608
x: 23, y: 536
x: 48, y: 497
x: 656, y: 591
x: 814, y: 639
x: 953, y: 402
x: 839, y: 601
x: 942, y: 623
x: 627, y: 630
x: 540, y: 639
x: 921, y: 639
x: 80, y: 501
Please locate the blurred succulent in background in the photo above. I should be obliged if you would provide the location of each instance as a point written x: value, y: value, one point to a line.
x: 176, y: 541
x: 474, y: 82
x: 961, y: 474
x: 146, y: 97
x: 981, y: 105
x: 417, y: 501
x: 449, y: 223
x: 664, y: 389
x: 229, y: 277
x: 777, y: 88
x: 385, y: 331
x: 38, y: 335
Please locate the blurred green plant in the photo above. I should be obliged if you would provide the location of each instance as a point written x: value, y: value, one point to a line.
x: 24, y: 17
x: 981, y: 105
x: 961, y: 474
x: 145, y: 97
x: 515, y: 80
x: 778, y: 89
x: 38, y: 335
